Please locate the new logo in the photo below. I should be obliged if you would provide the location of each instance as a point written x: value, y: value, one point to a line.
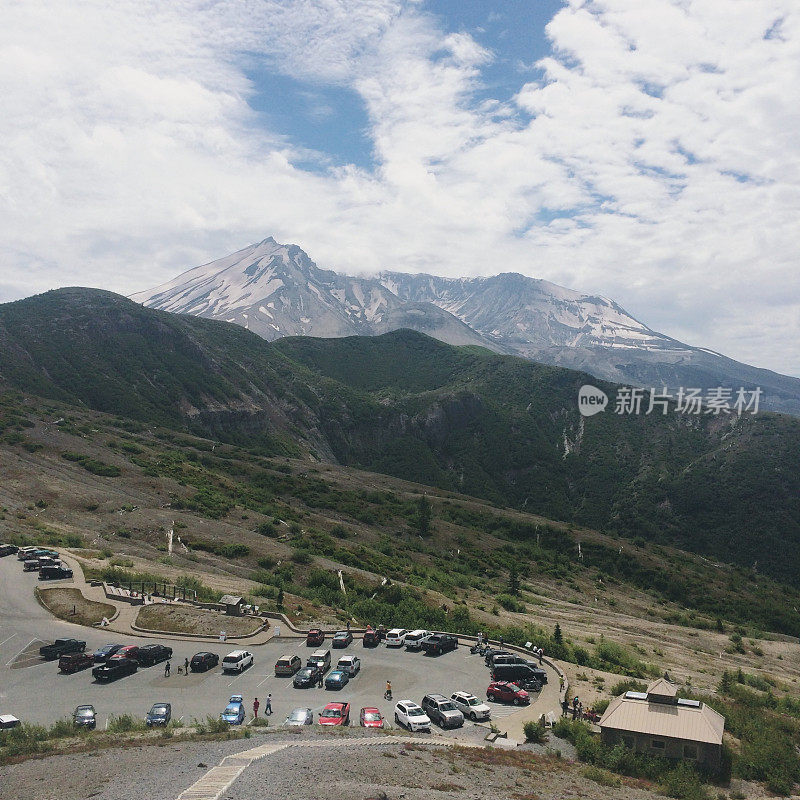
x: 591, y: 400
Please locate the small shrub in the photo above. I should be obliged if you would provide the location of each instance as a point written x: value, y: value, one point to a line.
x: 602, y: 776
x: 535, y: 731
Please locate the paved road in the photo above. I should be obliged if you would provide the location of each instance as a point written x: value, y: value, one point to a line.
x: 35, y: 691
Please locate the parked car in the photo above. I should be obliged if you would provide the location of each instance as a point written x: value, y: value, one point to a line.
x: 370, y: 718
x: 299, y: 717
x: 287, y: 665
x: 53, y: 572
x: 320, y: 659
x: 337, y: 680
x: 24, y: 553
x: 115, y: 667
x: 349, y: 664
x: 530, y: 678
x: 60, y: 647
x: 159, y: 714
x: 512, y: 658
x: 315, y: 637
x: 371, y: 638
x: 150, y: 654
x: 505, y: 692
x: 442, y: 711
x: 72, y: 662
x: 408, y: 714
x: 85, y: 717
x: 102, y: 654
x: 335, y: 714
x: 46, y: 552
x: 439, y: 643
x: 470, y: 706
x: 342, y: 639
x: 129, y: 651
x: 30, y: 565
x: 492, y: 652
x: 234, y: 711
x: 306, y: 677
x: 396, y: 637
x: 415, y: 638
x: 237, y: 661
x: 8, y: 721
x: 8, y: 549
x: 203, y: 661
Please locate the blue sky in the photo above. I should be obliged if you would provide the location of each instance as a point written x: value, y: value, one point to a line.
x: 644, y: 150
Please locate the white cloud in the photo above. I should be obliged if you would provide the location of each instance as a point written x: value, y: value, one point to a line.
x: 656, y: 161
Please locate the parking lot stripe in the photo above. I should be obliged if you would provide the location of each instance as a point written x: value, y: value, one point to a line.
x: 7, y: 640
x: 9, y: 663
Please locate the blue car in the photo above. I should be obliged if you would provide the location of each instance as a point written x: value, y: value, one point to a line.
x: 105, y: 652
x: 337, y: 679
x: 234, y: 711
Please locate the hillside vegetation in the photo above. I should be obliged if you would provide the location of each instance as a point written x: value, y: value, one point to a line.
x: 460, y: 419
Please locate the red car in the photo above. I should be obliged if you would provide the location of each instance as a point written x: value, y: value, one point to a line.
x: 315, y: 637
x: 506, y: 692
x: 370, y: 718
x: 129, y: 651
x: 335, y: 714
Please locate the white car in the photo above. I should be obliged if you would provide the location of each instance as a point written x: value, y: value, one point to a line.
x: 396, y: 637
x: 470, y: 706
x: 408, y: 714
x: 349, y: 664
x: 237, y: 661
x: 414, y: 639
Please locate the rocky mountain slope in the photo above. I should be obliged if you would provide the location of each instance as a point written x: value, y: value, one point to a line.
x: 276, y: 290
x: 403, y: 404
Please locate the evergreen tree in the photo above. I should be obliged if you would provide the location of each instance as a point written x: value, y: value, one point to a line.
x: 558, y: 637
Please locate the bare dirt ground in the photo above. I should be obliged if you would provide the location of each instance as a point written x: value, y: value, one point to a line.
x: 71, y: 605
x: 187, y: 619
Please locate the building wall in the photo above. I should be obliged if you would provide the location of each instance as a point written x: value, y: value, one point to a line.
x: 699, y: 752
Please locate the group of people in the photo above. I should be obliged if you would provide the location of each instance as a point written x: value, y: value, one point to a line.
x: 576, y: 708
x: 267, y: 707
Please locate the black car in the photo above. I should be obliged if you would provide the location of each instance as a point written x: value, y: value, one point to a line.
x: 61, y: 647
x: 306, y: 677
x: 525, y: 676
x: 115, y: 667
x: 202, y: 662
x: 439, y: 643
x: 159, y: 714
x: 8, y: 549
x: 150, y: 654
x: 105, y: 652
x: 84, y: 717
x: 53, y: 572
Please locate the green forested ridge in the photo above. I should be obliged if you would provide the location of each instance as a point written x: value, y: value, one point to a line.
x: 461, y: 419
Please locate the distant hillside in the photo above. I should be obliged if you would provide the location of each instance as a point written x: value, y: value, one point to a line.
x: 497, y: 427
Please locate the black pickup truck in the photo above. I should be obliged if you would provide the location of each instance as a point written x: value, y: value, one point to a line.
x: 60, y: 647
x: 439, y: 643
x: 115, y: 667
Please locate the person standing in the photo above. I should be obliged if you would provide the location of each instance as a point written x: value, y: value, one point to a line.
x: 166, y: 669
x: 255, y: 708
x: 186, y: 665
x: 268, y: 706
x: 564, y: 707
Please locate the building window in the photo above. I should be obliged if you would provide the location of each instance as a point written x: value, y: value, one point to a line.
x: 690, y: 751
x: 628, y: 742
x: 658, y: 744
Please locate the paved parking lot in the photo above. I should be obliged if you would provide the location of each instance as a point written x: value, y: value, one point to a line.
x: 35, y: 691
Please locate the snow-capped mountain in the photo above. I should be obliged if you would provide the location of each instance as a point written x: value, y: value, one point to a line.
x: 276, y: 290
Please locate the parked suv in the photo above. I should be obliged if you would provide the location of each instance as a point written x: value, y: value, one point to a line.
x: 202, y: 662
x: 53, y: 572
x: 439, y: 643
x: 286, y: 666
x: 349, y: 664
x: 396, y: 637
x: 442, y: 711
x: 529, y: 678
x: 470, y: 706
x: 321, y: 659
x: 415, y: 638
x: 150, y: 654
x: 8, y: 549
x: 237, y: 661
x: 72, y: 662
x: 408, y: 714
x: 116, y: 667
x: 315, y: 637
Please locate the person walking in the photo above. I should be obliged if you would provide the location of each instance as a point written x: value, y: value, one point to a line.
x: 541, y: 656
x: 564, y: 707
x: 268, y: 706
x: 255, y: 708
x: 166, y: 669
x: 186, y: 665
x: 320, y: 677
